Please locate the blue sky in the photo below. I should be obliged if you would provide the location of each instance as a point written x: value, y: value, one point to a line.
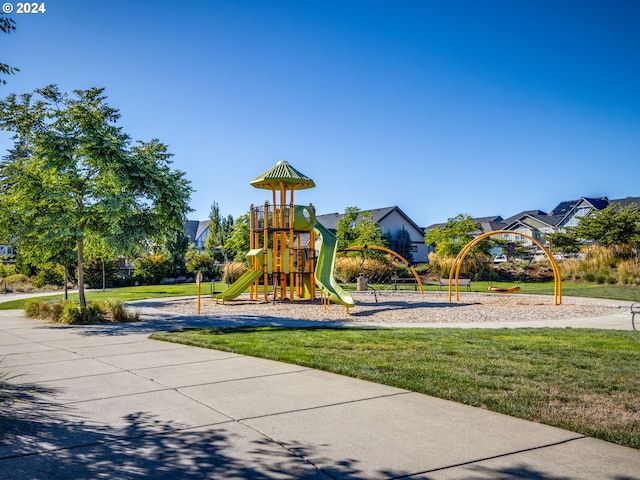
x: 439, y: 107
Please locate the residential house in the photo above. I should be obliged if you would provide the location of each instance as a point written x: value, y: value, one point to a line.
x: 489, y: 224
x: 533, y: 223
x: 7, y: 253
x: 197, y: 231
x: 573, y: 210
x: 391, y: 221
x: 536, y: 223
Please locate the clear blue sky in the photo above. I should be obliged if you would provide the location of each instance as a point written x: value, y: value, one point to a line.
x: 439, y: 107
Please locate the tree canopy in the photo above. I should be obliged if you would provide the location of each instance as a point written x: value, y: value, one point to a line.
x: 220, y: 229
x: 73, y: 179
x: 238, y: 243
x: 451, y: 238
x: 565, y: 242
x: 611, y: 226
x: 358, y: 228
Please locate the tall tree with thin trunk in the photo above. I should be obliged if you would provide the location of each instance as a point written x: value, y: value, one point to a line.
x: 73, y: 177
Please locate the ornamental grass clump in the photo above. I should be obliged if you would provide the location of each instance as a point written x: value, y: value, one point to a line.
x: 71, y: 313
x: 603, y: 265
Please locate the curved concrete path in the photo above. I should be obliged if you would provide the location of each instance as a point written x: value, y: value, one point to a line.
x: 107, y: 402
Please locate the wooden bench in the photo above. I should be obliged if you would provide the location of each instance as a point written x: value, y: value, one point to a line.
x: 635, y: 309
x: 400, y: 280
x: 462, y: 282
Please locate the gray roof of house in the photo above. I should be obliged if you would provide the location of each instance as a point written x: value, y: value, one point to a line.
x: 566, y: 206
x: 330, y: 220
x: 190, y: 228
x: 625, y: 202
x: 195, y: 228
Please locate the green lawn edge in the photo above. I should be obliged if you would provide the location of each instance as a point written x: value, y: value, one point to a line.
x: 126, y: 294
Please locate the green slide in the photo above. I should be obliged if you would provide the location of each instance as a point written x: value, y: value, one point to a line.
x: 245, y: 281
x: 326, y: 258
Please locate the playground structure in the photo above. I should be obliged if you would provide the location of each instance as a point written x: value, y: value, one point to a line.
x: 282, y: 246
x: 454, y: 273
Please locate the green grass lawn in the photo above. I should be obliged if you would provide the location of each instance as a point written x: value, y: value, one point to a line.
x: 126, y: 293
x: 587, y: 381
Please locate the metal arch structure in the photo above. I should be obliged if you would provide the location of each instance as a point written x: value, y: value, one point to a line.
x: 455, y: 268
x: 395, y: 254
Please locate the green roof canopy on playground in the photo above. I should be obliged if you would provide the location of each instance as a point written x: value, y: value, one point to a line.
x: 282, y: 177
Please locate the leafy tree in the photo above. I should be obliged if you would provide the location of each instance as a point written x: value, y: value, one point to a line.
x: 151, y: 268
x: 612, y: 226
x: 7, y: 25
x: 564, y: 242
x: 177, y: 247
x: 358, y: 228
x: 238, y: 244
x: 346, y: 228
x: 101, y: 272
x: 74, y: 177
x: 368, y: 232
x: 451, y: 238
x: 204, y: 262
x: 220, y: 229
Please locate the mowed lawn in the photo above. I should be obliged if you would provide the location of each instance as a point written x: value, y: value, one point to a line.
x: 583, y: 380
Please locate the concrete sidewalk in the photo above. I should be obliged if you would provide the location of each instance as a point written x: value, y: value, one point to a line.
x: 107, y: 402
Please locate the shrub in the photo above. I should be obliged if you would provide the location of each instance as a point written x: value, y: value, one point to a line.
x: 152, y: 268
x: 472, y: 267
x: 204, y: 262
x: 233, y: 270
x: 49, y: 275
x: 35, y: 308
x: 18, y: 283
x: 74, y: 314
x: 629, y: 271
x: 120, y: 280
x: 71, y: 313
x: 93, y: 272
x: 116, y: 311
x: 598, y: 257
x: 16, y: 278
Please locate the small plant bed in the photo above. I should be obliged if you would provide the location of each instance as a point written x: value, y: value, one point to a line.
x: 578, y: 379
x: 70, y: 313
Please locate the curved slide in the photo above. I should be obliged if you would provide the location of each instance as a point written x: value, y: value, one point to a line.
x: 245, y: 281
x: 326, y: 258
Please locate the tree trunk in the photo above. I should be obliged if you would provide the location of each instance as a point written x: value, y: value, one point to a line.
x: 104, y: 277
x: 66, y: 282
x: 81, y: 297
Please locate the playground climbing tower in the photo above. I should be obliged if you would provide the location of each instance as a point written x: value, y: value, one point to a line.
x: 287, y: 247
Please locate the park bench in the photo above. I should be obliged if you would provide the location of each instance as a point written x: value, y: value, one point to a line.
x: 635, y: 309
x: 462, y: 282
x: 401, y: 280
